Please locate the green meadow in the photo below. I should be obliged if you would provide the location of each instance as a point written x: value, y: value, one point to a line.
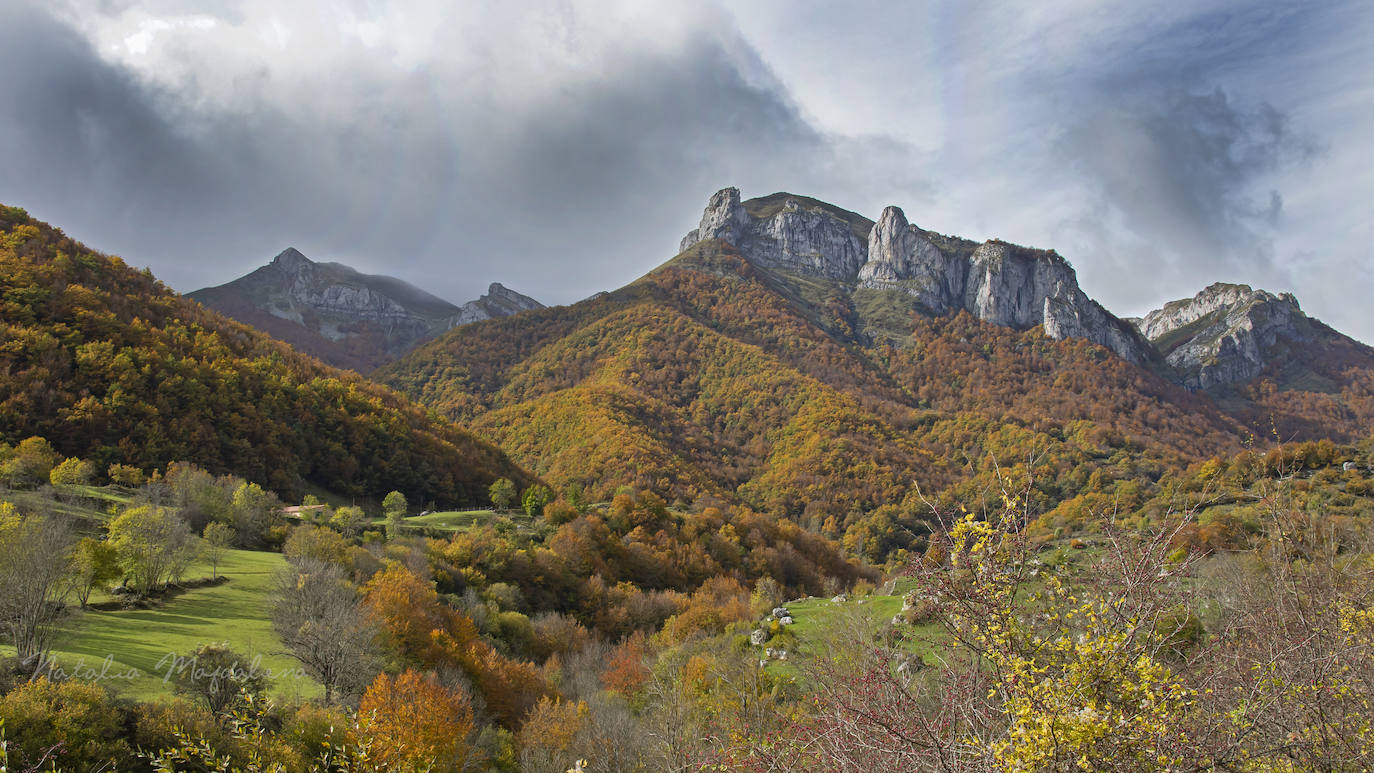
x: 130, y: 650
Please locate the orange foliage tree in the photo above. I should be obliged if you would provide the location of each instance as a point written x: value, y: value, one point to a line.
x: 416, y: 724
x: 425, y: 630
x: 627, y: 670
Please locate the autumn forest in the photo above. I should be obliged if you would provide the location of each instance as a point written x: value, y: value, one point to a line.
x: 734, y: 515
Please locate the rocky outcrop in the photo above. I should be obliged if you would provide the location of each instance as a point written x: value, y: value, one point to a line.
x: 807, y: 239
x: 324, y: 289
x: 997, y: 282
x: 1227, y: 333
x: 344, y: 317
x: 724, y: 218
x: 902, y: 256
x: 500, y: 301
x: 1019, y: 287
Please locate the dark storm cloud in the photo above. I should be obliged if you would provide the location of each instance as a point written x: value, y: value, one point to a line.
x: 422, y: 174
x: 605, y: 175
x: 1185, y: 143
x: 1186, y: 170
x: 85, y: 139
x: 102, y: 153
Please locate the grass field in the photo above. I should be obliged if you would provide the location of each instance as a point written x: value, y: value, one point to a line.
x: 820, y: 622
x: 816, y: 615
x: 462, y: 520
x: 454, y: 520
x: 88, y: 502
x: 137, y: 641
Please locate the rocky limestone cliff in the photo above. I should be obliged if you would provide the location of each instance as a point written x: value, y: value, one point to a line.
x: 500, y: 301
x: 1227, y: 333
x: 806, y: 239
x: 902, y: 256
x: 325, y: 289
x: 344, y: 317
x: 998, y: 282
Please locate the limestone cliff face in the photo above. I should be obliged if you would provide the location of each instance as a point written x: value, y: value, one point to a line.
x: 500, y: 301
x: 1019, y: 287
x: 344, y: 317
x: 808, y: 240
x: 1227, y: 333
x: 998, y: 282
x: 902, y: 256
x: 323, y: 289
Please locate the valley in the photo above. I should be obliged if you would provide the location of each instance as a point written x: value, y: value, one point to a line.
x: 813, y: 471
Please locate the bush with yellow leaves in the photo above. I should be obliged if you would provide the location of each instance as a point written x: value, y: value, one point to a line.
x: 1125, y: 658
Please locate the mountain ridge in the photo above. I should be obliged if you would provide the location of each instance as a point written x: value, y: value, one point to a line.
x: 996, y: 281
x: 781, y: 362
x: 343, y: 316
x: 111, y: 365
x: 715, y: 376
x: 1228, y: 333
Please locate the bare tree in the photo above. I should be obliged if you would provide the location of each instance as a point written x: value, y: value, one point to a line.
x: 217, y: 675
x: 320, y: 617
x: 35, y: 561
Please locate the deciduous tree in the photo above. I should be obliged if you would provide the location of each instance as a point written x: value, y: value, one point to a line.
x: 35, y: 556
x: 503, y: 494
x: 72, y: 472
x: 95, y: 564
x: 153, y: 544
x: 28, y: 463
x: 217, y: 676
x: 535, y: 498
x: 125, y: 475
x: 394, y: 505
x: 416, y: 724
x: 253, y: 510
x: 217, y: 538
x: 350, y: 520
x: 320, y: 617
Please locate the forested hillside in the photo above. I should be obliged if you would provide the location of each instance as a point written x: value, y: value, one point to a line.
x: 110, y: 365
x: 715, y: 375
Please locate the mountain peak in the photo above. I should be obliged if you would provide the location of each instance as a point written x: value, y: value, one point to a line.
x: 291, y: 260
x: 1226, y: 333
x: 785, y: 231
x: 500, y: 301
x: 343, y: 316
x: 723, y: 218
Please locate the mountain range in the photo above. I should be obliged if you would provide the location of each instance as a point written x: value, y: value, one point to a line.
x: 1223, y: 339
x: 997, y: 282
x: 803, y: 359
x: 794, y: 357
x: 344, y: 317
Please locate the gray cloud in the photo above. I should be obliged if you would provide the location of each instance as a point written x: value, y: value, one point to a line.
x: 76, y: 132
x: 432, y: 174
x: 1185, y: 173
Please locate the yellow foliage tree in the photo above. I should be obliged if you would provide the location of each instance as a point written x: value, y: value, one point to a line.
x: 416, y: 724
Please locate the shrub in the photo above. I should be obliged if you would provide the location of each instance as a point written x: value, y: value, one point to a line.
x: 72, y: 725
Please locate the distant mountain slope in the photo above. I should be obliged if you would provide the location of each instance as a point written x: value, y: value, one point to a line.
x: 110, y: 364
x: 344, y: 317
x: 1271, y: 363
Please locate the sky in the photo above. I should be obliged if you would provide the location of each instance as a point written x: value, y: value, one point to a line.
x: 563, y: 147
